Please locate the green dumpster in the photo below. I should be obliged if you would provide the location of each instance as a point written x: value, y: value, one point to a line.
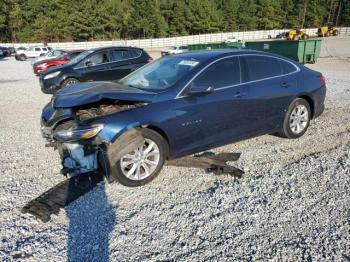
x: 214, y: 46
x: 302, y: 51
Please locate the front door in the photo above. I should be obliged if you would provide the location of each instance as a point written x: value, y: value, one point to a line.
x: 121, y: 63
x: 95, y: 67
x: 208, y: 120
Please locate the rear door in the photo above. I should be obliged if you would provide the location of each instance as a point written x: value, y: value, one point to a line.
x: 95, y: 67
x: 122, y: 63
x: 270, y: 91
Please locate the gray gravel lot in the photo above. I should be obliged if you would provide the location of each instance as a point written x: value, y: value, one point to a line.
x: 293, y: 203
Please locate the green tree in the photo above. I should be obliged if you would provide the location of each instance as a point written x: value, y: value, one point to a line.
x: 204, y: 16
x: 230, y: 15
x: 246, y: 15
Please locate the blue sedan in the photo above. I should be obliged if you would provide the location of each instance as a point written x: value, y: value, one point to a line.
x: 180, y: 105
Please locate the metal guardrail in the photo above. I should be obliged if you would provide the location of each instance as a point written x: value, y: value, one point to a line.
x: 157, y: 43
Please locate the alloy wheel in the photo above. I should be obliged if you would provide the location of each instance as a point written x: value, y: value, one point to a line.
x: 142, y: 162
x: 299, y: 119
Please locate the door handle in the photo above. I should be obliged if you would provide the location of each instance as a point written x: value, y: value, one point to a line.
x: 285, y: 84
x: 238, y: 94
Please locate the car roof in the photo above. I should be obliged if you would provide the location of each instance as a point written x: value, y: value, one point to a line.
x: 219, y: 53
x: 110, y: 47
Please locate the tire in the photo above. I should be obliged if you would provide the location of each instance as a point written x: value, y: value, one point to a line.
x: 120, y: 172
x: 69, y: 81
x: 335, y: 32
x: 294, y: 118
x: 22, y: 57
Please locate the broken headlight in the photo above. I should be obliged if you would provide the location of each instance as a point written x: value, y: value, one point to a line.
x: 78, y: 133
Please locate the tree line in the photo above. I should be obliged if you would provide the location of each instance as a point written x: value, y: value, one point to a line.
x: 83, y: 20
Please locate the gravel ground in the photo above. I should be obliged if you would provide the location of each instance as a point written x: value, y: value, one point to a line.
x: 292, y: 203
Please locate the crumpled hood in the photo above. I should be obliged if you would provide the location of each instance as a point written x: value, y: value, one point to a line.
x: 86, y: 93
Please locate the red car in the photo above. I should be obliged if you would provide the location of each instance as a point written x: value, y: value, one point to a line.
x: 44, y: 65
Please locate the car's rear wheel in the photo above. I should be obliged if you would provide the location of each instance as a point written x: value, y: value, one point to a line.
x: 69, y: 81
x: 297, y: 119
x: 143, y: 164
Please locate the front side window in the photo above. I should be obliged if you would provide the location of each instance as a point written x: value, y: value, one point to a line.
x: 98, y: 58
x: 44, y: 49
x: 223, y: 73
x: 261, y: 67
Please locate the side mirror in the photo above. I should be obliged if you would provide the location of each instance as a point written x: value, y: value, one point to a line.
x: 88, y: 63
x: 200, y: 90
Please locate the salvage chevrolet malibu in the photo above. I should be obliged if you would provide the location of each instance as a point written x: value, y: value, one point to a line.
x: 176, y: 106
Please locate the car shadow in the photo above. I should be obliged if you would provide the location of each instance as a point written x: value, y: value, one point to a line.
x: 91, y: 219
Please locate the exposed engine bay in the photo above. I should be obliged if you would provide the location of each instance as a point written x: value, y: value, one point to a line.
x: 68, y: 130
x: 97, y: 110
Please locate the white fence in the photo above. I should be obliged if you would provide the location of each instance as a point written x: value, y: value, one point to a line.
x: 158, y: 43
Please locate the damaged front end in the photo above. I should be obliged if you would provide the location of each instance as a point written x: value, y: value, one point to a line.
x: 73, y: 133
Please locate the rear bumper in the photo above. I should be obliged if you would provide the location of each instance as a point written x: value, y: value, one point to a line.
x: 319, y: 97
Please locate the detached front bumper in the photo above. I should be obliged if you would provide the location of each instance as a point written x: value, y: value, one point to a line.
x: 78, y: 158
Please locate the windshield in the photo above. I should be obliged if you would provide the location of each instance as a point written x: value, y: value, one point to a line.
x: 80, y: 57
x: 160, y: 74
x: 49, y: 54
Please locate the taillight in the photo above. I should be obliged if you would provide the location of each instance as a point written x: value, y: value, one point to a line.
x: 323, y: 80
x: 149, y: 60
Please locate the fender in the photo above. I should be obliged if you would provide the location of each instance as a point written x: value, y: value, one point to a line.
x: 118, y: 123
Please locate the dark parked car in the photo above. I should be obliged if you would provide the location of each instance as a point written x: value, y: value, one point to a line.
x: 42, y: 66
x: 101, y: 64
x: 12, y: 50
x: 181, y: 104
x: 5, y: 51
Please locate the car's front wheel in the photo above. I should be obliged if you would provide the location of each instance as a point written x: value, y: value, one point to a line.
x: 297, y: 119
x: 69, y: 81
x: 143, y: 164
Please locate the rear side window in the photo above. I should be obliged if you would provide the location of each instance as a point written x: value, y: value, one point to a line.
x: 136, y: 53
x: 37, y: 49
x: 223, y: 73
x: 260, y: 67
x: 119, y: 55
x: 287, y: 67
x: 57, y: 53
